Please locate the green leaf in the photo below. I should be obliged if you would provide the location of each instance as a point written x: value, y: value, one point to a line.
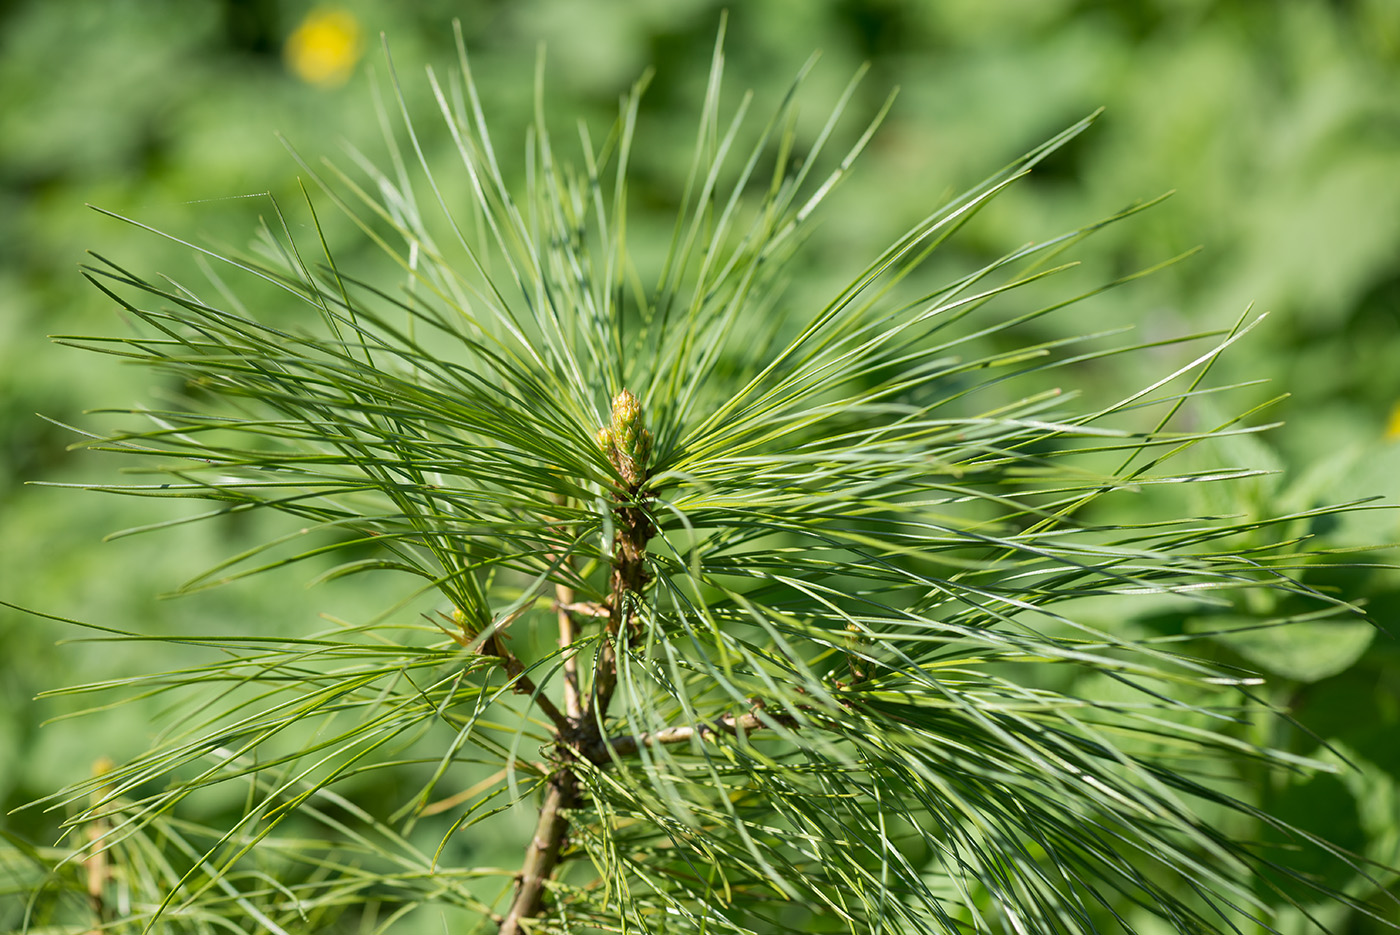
x: 1301, y: 651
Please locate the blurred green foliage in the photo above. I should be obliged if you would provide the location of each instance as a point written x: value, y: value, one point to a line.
x: 1278, y: 123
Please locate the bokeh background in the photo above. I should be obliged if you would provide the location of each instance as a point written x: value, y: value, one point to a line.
x: 1276, y: 122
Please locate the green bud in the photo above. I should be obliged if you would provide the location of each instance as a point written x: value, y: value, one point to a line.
x: 626, y: 441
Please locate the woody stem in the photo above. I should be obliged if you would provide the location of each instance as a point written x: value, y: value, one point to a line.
x: 583, y: 729
x: 542, y: 855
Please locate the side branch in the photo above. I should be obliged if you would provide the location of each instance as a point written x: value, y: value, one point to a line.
x: 490, y: 644
x: 563, y: 600
x: 731, y: 724
x: 522, y: 684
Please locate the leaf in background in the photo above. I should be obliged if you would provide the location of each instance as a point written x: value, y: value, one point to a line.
x: 1302, y: 651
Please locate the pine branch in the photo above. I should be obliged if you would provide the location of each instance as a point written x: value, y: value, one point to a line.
x: 601, y: 752
x: 490, y: 644
x: 857, y: 491
x: 542, y: 854
x: 627, y: 443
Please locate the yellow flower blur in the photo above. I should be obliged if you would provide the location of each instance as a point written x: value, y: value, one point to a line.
x: 1392, y: 430
x: 325, y: 48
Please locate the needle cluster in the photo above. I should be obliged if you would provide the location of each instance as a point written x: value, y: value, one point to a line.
x: 840, y: 623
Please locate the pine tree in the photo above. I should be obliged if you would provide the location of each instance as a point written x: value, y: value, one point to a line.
x: 774, y: 618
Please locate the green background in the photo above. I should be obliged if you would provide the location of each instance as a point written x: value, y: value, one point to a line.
x: 1277, y: 124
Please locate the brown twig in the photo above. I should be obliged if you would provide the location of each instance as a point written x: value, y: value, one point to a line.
x: 731, y: 724
x: 524, y: 685
x: 563, y: 604
x: 563, y: 598
x: 585, y: 609
x: 96, y: 863
x: 489, y: 643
